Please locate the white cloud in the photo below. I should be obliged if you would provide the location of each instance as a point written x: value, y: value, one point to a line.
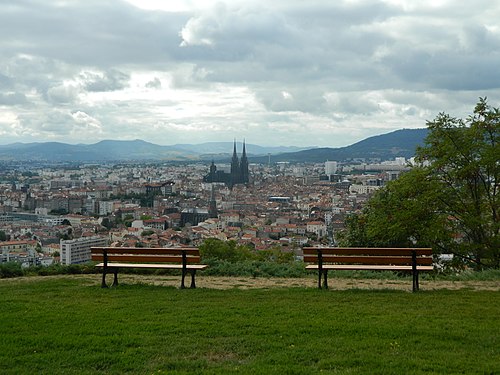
x: 295, y: 72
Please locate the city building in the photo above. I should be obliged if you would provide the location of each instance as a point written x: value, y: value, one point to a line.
x: 193, y: 216
x: 239, y: 173
x: 78, y: 250
x: 330, y: 168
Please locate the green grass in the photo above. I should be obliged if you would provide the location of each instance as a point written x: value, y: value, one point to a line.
x: 70, y: 325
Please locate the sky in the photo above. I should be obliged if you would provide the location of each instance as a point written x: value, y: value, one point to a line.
x: 275, y: 73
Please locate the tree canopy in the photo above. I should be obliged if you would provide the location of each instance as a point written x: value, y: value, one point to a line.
x: 449, y: 200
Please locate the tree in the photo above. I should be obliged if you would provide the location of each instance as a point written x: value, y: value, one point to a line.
x: 401, y: 214
x: 449, y: 201
x: 107, y: 223
x: 463, y: 157
x: 65, y: 222
x: 224, y: 250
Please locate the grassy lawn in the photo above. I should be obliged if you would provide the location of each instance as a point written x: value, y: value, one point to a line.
x: 70, y: 325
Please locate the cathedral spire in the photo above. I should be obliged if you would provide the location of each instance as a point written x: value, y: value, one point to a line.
x: 244, y: 165
x: 235, y: 167
x: 244, y: 153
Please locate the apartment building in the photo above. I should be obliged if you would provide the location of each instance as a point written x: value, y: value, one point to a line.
x: 78, y: 250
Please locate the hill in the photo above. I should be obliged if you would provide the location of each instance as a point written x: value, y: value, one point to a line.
x: 400, y: 143
x: 386, y: 146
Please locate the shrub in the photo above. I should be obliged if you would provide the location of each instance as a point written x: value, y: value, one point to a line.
x: 10, y: 269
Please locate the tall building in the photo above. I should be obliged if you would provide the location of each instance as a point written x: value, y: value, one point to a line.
x: 239, y: 173
x: 212, y: 208
x: 330, y: 167
x: 78, y: 250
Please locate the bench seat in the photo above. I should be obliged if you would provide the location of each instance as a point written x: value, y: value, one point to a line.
x: 360, y: 267
x: 154, y: 265
x: 324, y: 259
x: 185, y: 259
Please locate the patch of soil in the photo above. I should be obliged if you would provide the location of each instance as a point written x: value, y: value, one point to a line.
x: 220, y: 282
x: 237, y: 282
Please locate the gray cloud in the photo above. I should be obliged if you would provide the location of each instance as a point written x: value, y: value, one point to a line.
x: 295, y: 72
x: 12, y: 98
x: 104, y: 81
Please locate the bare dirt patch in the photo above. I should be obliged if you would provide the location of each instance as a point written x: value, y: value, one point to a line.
x: 219, y: 282
x: 237, y: 282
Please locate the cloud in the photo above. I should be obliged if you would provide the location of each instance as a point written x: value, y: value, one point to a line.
x: 104, y: 81
x: 329, y: 72
x: 13, y: 98
x: 154, y: 84
x: 62, y: 94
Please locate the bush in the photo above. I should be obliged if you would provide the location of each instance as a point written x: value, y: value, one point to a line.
x: 254, y: 268
x: 10, y: 269
x: 229, y: 251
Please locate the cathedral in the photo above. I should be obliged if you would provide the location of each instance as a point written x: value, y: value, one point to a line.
x: 238, y: 174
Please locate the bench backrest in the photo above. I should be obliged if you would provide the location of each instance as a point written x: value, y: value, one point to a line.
x: 368, y: 255
x: 181, y: 255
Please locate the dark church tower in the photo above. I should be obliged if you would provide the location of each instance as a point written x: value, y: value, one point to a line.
x: 235, y: 167
x: 212, y: 208
x: 244, y: 165
x: 239, y: 170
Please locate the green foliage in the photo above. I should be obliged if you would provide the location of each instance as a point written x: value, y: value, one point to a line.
x: 59, y: 211
x: 14, y: 269
x: 400, y: 215
x: 213, y: 248
x: 227, y: 258
x: 145, y: 329
x: 275, y: 255
x: 450, y: 202
x: 65, y: 222
x: 107, y: 223
x: 3, y: 236
x: 10, y: 269
x: 147, y: 232
x: 464, y: 162
x: 254, y: 268
x: 128, y: 219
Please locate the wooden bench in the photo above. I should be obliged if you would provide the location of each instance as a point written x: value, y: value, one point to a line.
x: 324, y: 259
x: 186, y: 259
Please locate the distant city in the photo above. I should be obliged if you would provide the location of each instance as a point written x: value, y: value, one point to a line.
x: 55, y: 211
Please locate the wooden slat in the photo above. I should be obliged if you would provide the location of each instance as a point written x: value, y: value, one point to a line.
x: 366, y: 251
x: 359, y: 267
x: 145, y: 250
x: 146, y: 258
x: 159, y: 266
x: 373, y: 260
x: 368, y: 260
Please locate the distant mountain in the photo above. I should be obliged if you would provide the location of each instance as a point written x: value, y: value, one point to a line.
x: 400, y: 143
x: 102, y: 151
x: 226, y: 148
x: 109, y: 150
x: 386, y: 146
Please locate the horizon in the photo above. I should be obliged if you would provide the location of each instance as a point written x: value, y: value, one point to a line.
x: 238, y: 142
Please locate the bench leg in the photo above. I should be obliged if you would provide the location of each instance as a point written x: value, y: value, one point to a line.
x: 103, y: 283
x: 115, y: 277
x: 183, y: 286
x: 323, y: 283
x: 415, y: 281
x: 193, y: 274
